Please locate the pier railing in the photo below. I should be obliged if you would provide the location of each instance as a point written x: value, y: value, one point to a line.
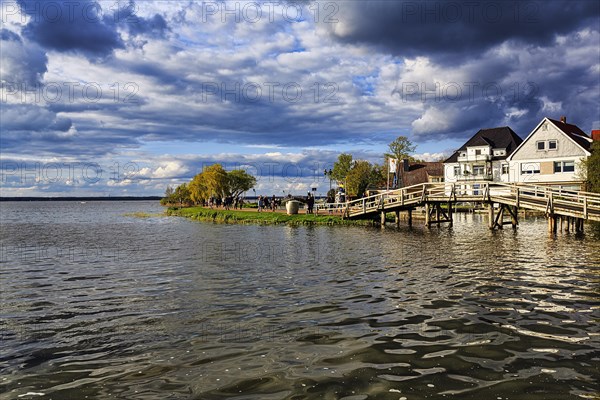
x: 551, y: 200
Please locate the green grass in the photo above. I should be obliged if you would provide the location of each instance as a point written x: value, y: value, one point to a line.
x: 142, y: 215
x: 262, y: 218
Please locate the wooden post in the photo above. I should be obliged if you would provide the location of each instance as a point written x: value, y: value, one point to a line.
x: 568, y: 224
x: 561, y: 223
x: 427, y: 217
x: 515, y: 217
x: 579, y: 225
x: 382, y: 218
x: 410, y: 217
x: 397, y: 212
x: 500, y: 218
x: 491, y: 215
x: 552, y: 223
x: 450, y: 213
x: 437, y: 213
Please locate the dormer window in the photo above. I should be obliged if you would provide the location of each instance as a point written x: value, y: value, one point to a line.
x: 552, y: 145
x: 478, y: 152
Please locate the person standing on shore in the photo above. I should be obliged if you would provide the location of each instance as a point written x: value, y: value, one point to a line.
x: 260, y: 203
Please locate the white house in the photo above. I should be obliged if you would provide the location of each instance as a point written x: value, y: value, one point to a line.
x: 483, y: 156
x: 551, y: 155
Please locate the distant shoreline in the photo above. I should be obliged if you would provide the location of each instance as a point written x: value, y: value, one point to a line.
x: 90, y: 198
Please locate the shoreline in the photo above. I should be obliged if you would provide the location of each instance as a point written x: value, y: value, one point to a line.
x: 249, y: 216
x: 263, y: 217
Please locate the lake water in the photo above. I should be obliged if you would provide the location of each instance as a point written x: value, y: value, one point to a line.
x: 100, y: 305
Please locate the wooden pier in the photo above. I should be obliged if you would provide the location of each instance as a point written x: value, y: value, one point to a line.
x: 563, y: 208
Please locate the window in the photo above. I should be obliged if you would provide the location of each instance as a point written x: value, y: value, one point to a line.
x: 552, y: 145
x: 478, y: 169
x: 530, y: 168
x: 541, y: 146
x: 557, y: 166
x: 456, y: 170
x: 564, y: 166
x: 504, y: 168
x: 477, y: 152
x: 569, y: 166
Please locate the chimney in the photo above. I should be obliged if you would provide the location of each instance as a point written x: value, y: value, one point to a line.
x: 596, y: 134
x: 405, y: 165
x: 563, y: 119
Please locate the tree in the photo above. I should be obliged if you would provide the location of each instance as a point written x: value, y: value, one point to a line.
x: 239, y: 182
x: 198, y: 189
x: 400, y: 148
x: 182, y: 194
x: 359, y: 178
x: 378, y: 176
x: 169, y: 198
x: 592, y: 167
x: 342, y: 167
x: 216, y: 181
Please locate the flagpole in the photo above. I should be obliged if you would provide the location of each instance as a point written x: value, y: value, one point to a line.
x: 387, y: 188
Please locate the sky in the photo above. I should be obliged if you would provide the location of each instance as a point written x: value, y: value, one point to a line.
x: 112, y: 98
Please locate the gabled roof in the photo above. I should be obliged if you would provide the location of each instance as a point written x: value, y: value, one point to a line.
x: 497, y: 138
x: 479, y: 141
x: 419, y: 172
x: 571, y: 131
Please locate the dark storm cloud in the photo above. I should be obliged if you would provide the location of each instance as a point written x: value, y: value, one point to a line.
x: 23, y: 64
x: 457, y: 28
x: 31, y: 118
x: 71, y: 26
x: 154, y: 27
x: 85, y: 27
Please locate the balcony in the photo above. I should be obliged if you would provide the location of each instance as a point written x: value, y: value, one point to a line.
x: 474, y: 158
x: 477, y: 177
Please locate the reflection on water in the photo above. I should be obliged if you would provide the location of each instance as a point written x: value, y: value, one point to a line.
x: 96, y: 304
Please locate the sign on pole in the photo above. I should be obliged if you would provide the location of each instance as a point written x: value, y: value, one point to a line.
x: 392, y: 169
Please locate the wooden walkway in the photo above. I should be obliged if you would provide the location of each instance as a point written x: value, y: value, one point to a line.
x: 440, y: 198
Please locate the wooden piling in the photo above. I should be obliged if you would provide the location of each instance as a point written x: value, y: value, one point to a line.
x: 561, y: 224
x: 450, y: 213
x: 552, y: 223
x: 410, y: 217
x: 427, y: 216
x: 397, y: 214
x: 514, y: 218
x: 491, y: 216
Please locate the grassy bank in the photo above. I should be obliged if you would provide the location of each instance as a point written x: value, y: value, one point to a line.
x: 262, y: 218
